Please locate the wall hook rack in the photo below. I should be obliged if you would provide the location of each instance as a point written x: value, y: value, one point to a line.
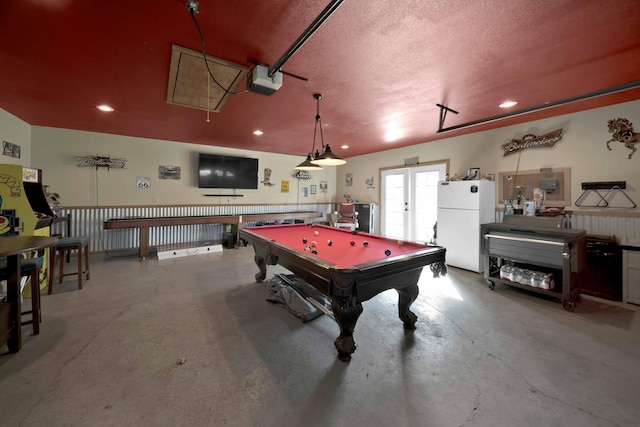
x: 606, y: 194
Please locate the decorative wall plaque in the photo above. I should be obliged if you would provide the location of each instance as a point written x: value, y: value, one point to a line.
x: 532, y: 141
x: 101, y: 162
x: 623, y: 132
x: 10, y: 149
x: 169, y: 172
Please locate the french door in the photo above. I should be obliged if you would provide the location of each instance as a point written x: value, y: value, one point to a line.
x: 409, y: 208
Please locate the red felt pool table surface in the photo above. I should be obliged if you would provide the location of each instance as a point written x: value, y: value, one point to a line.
x: 341, y: 252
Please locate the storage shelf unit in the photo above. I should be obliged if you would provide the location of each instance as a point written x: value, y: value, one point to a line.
x: 561, y: 251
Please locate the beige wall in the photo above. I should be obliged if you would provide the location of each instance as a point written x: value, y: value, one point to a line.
x: 582, y: 148
x: 15, y: 131
x: 55, y: 150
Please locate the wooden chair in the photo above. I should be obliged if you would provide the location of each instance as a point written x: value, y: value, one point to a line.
x: 66, y: 245
x: 30, y: 268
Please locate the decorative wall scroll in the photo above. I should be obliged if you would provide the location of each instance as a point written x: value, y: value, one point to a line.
x: 532, y: 141
x: 284, y: 186
x: 101, y: 162
x: 623, y: 132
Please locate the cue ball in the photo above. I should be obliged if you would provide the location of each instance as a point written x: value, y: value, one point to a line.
x: 316, y: 232
x: 353, y: 243
x: 329, y: 242
x: 304, y: 240
x: 308, y: 249
x: 387, y: 252
x: 365, y: 243
x: 313, y: 243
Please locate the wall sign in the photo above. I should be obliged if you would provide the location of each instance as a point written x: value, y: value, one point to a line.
x: 143, y: 182
x: 11, y: 150
x: 532, y: 141
x: 101, y: 162
x: 169, y: 172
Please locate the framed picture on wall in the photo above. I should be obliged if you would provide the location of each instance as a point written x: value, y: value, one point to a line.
x: 323, y: 186
x: 313, y: 189
x: 284, y: 186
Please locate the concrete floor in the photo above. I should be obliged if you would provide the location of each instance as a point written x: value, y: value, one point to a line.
x: 106, y: 355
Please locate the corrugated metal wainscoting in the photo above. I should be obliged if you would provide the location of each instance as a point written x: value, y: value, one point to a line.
x: 89, y: 222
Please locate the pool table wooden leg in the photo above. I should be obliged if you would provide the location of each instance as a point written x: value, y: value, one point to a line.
x: 262, y: 258
x: 346, y: 316
x: 262, y: 266
x: 406, y: 297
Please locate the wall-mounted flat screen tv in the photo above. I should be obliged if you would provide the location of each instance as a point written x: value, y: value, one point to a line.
x: 216, y: 171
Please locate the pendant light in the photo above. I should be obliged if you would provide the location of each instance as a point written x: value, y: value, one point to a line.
x: 327, y: 158
x: 307, y: 165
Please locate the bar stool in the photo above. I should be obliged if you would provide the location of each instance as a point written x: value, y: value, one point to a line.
x: 66, y: 245
x: 31, y: 268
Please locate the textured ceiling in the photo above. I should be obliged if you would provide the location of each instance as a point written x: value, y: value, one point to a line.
x: 381, y: 65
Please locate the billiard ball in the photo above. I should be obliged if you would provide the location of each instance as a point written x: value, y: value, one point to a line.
x: 304, y: 240
x: 329, y: 242
x: 313, y: 243
x: 354, y: 232
x: 353, y: 243
x: 400, y: 242
x: 316, y: 232
x: 314, y: 252
x: 308, y: 249
x: 387, y: 252
x: 365, y: 243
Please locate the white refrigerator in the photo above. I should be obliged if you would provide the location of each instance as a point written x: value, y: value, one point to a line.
x: 462, y: 207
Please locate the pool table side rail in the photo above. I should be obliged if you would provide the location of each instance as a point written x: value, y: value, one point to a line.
x: 320, y: 273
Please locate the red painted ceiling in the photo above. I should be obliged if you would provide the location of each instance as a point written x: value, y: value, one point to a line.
x: 381, y: 65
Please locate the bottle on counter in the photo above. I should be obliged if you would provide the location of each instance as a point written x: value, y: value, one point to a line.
x: 508, y: 208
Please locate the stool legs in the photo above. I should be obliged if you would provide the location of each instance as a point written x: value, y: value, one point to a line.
x: 52, y: 263
x: 83, y: 254
x: 36, y: 316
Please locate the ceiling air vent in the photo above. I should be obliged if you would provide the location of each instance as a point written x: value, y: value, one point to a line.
x: 189, y: 81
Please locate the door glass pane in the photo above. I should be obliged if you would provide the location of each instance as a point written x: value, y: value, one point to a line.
x: 394, y: 202
x: 425, y: 204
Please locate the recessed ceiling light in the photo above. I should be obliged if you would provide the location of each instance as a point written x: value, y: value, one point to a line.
x: 257, y: 132
x: 507, y: 104
x: 105, y: 108
x: 344, y: 147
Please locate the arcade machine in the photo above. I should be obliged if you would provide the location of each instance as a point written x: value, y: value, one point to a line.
x: 24, y: 210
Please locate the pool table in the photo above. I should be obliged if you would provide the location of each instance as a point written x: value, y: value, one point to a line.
x: 348, y: 267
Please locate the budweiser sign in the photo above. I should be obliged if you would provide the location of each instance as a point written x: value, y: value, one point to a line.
x: 532, y: 141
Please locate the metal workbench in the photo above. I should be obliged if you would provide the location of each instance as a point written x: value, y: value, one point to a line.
x: 539, y: 247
